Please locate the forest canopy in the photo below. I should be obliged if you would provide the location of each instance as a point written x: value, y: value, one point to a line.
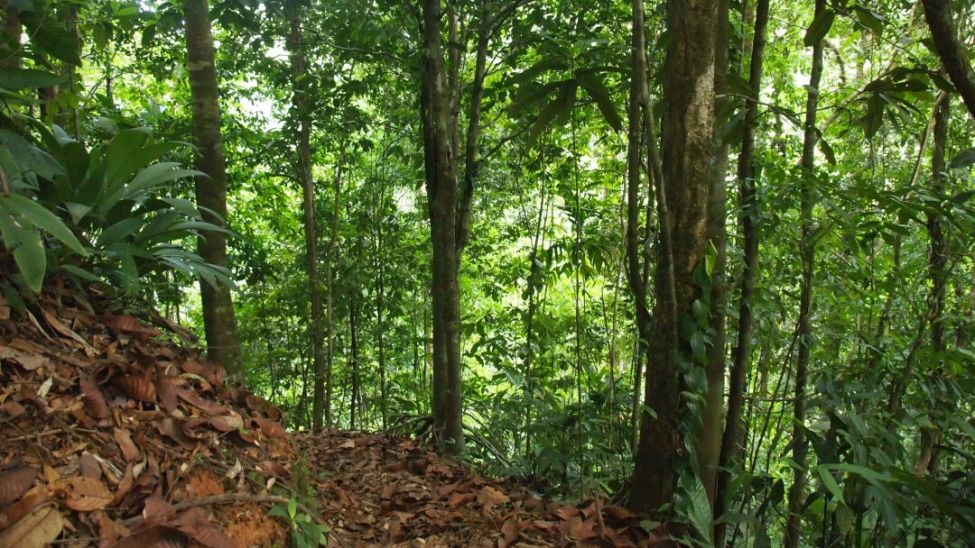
x: 712, y: 259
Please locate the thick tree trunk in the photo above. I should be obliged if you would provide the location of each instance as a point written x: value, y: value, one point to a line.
x: 731, y: 449
x: 950, y: 50
x: 441, y: 185
x: 709, y: 443
x: 302, y: 120
x: 807, y: 252
x: 687, y: 135
x: 219, y: 321
x: 10, y: 36
x: 449, y: 204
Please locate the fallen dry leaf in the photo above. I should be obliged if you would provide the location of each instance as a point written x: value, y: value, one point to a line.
x: 35, y: 530
x: 16, y: 482
x: 25, y: 360
x: 94, y: 399
x: 86, y: 494
x: 138, y: 388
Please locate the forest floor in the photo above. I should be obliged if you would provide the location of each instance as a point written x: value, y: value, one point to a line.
x: 115, y: 433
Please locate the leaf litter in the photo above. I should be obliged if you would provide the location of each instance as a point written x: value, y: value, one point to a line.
x: 113, y: 435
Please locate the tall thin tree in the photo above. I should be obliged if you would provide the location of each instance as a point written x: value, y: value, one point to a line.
x: 219, y: 321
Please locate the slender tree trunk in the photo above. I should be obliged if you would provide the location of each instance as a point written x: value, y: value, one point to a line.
x: 731, y: 450
x: 951, y: 50
x: 937, y: 271
x: 709, y: 444
x: 302, y: 120
x: 330, y: 255
x: 682, y: 197
x: 356, y: 398
x: 634, y: 147
x: 219, y: 321
x: 808, y: 254
x: 380, y: 313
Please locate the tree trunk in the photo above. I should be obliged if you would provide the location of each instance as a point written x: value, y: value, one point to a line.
x: 807, y: 252
x: 302, y: 120
x: 731, y: 440
x: 356, y: 398
x: 634, y: 147
x: 219, y: 321
x: 330, y: 253
x: 951, y: 50
x: 937, y: 271
x: 709, y: 443
x: 10, y: 52
x: 449, y: 206
x: 683, y: 202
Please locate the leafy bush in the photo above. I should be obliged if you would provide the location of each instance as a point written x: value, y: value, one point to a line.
x: 109, y: 203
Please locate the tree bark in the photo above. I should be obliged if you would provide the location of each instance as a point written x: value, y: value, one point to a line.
x: 937, y: 271
x: 683, y: 201
x: 302, y: 120
x: 807, y: 252
x: 731, y: 449
x: 951, y: 50
x: 330, y: 253
x: 709, y: 443
x: 219, y: 321
x: 10, y: 36
x: 449, y: 205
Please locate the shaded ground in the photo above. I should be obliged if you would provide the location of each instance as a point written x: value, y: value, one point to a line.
x: 112, y: 434
x: 380, y: 490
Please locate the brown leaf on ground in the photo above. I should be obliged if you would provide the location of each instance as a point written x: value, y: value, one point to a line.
x: 35, y: 530
x: 13, y: 513
x: 166, y: 390
x: 94, y: 399
x: 136, y: 387
x: 16, y: 482
x: 86, y: 494
x: 26, y: 360
x: 66, y: 332
x: 124, y: 440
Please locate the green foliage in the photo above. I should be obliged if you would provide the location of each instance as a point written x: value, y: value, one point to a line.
x: 305, y: 533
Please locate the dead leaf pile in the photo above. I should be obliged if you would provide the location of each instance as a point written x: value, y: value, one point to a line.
x: 375, y: 489
x: 111, y: 436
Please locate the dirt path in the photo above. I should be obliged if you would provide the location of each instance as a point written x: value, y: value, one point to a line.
x: 377, y: 490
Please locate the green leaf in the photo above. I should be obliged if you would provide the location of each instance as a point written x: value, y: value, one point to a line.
x: 830, y: 483
x: 29, y: 157
x: 597, y: 90
x: 819, y: 27
x: 870, y: 19
x: 963, y: 159
x: 27, y: 248
x: 46, y: 221
x: 21, y: 78
x: 558, y: 109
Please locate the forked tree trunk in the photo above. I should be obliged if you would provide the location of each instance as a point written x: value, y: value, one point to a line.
x: 683, y: 203
x: 449, y: 204
x: 219, y: 321
x: 731, y: 450
x: 807, y: 251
